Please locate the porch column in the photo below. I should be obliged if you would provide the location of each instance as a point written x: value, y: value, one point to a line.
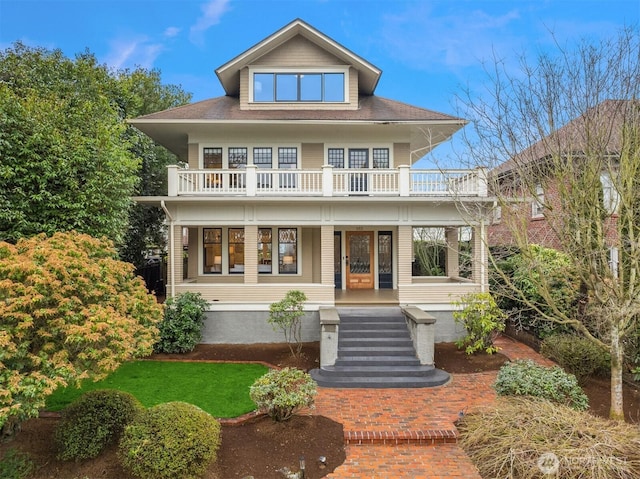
x: 326, y: 255
x: 479, y: 251
x: 193, y: 254
x: 175, y: 259
x: 172, y: 180
x: 251, y: 254
x: 453, y: 252
x: 327, y: 180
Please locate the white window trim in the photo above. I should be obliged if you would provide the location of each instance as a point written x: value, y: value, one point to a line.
x: 329, y: 69
x: 537, y: 205
x: 358, y: 146
x: 612, y: 198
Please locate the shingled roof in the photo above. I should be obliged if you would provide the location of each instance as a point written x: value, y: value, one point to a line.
x: 372, y: 109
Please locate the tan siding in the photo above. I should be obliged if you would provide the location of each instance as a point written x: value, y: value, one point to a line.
x: 405, y: 254
x: 244, y: 88
x: 176, y: 257
x: 353, y: 87
x: 401, y: 154
x: 326, y: 248
x: 251, y: 254
x: 194, y: 257
x: 316, y: 268
x: 312, y: 156
x: 307, y: 255
x: 434, y: 293
x: 299, y: 52
x: 194, y: 157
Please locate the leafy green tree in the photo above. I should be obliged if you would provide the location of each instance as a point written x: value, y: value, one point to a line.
x: 286, y: 315
x: 66, y: 164
x: 69, y: 310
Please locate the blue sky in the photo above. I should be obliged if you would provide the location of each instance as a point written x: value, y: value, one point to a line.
x: 428, y: 50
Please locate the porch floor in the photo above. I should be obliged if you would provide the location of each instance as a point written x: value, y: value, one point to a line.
x: 366, y: 297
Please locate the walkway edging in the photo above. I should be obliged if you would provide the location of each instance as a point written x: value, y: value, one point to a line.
x: 428, y: 437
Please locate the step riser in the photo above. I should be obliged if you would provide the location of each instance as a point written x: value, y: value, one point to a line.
x: 374, y: 335
x: 398, y: 361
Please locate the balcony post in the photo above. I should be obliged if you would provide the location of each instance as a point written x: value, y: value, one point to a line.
x: 327, y: 180
x: 404, y: 180
x: 172, y: 180
x: 483, y: 189
x: 252, y: 179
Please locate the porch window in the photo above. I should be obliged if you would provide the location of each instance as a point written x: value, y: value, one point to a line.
x: 264, y: 250
x: 212, y: 241
x: 288, y: 250
x: 381, y: 157
x: 335, y: 157
x: 237, y: 159
x: 262, y: 158
x: 287, y: 159
x: 236, y: 250
x: 212, y: 158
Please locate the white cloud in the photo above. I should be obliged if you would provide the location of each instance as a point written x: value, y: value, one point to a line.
x: 132, y: 52
x: 212, y: 13
x: 171, y: 32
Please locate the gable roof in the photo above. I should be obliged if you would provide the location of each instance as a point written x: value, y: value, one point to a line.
x: 229, y: 73
x: 598, y: 129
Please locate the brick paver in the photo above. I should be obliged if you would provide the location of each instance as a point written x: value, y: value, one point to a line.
x: 410, y: 433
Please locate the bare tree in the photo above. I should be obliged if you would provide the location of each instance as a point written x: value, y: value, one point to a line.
x: 563, y: 133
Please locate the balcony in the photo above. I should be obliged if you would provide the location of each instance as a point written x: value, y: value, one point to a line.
x: 328, y: 181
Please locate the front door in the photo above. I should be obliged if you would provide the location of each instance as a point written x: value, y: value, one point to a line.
x: 360, y: 260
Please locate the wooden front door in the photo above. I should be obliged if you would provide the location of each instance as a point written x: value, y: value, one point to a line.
x: 360, y: 260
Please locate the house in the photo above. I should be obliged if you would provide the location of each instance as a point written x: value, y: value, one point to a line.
x: 300, y: 177
x: 528, y: 184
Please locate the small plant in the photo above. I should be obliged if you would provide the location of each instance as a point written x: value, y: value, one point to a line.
x: 16, y: 465
x: 281, y: 393
x: 526, y: 378
x: 181, y: 328
x: 577, y: 355
x: 286, y: 315
x: 482, y: 319
x: 93, y: 421
x: 173, y: 440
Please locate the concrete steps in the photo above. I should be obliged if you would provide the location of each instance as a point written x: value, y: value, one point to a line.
x: 375, y: 351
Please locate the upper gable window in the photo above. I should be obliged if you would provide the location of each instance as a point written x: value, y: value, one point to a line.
x: 299, y: 86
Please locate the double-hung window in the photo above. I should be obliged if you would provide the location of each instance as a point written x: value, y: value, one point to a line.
x: 287, y: 160
x: 262, y: 158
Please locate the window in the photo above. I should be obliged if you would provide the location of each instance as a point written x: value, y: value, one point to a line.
x: 335, y: 157
x: 537, y: 207
x: 287, y: 159
x: 288, y: 250
x: 381, y: 157
x: 236, y: 250
x: 610, y: 196
x: 212, y: 241
x: 237, y: 157
x: 212, y: 158
x: 429, y: 251
x: 299, y: 87
x: 262, y: 159
x: 264, y: 250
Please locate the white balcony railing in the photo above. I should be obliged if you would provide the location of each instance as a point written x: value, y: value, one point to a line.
x: 328, y: 181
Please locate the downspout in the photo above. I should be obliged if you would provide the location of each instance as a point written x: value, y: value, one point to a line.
x: 172, y: 263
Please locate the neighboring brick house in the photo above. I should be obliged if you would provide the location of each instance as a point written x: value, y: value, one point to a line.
x: 300, y: 177
x: 528, y: 207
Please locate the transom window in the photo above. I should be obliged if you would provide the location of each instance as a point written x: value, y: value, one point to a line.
x: 299, y: 87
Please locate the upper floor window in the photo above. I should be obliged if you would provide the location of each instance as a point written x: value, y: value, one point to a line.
x: 299, y: 87
x: 610, y: 195
x: 537, y: 207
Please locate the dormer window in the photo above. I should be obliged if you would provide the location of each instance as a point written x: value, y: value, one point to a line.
x: 299, y: 86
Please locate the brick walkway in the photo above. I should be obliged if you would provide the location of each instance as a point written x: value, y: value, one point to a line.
x: 410, y: 433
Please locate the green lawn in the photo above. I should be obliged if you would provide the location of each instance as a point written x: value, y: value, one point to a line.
x: 221, y: 389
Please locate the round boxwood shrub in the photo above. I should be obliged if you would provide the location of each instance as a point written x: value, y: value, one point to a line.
x: 174, y: 440
x: 281, y: 393
x: 577, y: 354
x: 93, y: 421
x: 181, y: 328
x: 526, y: 378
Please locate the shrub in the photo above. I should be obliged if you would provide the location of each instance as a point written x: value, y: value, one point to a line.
x: 286, y: 315
x: 281, y: 393
x: 174, y: 440
x: 526, y: 378
x: 577, y: 355
x: 482, y: 319
x: 181, y: 328
x: 93, y: 421
x: 16, y: 465
x: 513, y: 437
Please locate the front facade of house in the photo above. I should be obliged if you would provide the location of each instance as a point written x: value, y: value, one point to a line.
x: 301, y: 178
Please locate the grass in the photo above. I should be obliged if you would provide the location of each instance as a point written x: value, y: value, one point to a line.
x: 221, y: 389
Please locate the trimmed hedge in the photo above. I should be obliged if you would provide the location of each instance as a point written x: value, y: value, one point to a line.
x: 526, y: 378
x: 181, y: 328
x: 173, y: 440
x: 93, y: 421
x: 281, y: 393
